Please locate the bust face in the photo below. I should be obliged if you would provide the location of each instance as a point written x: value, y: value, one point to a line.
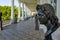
x: 42, y: 18
x: 41, y: 15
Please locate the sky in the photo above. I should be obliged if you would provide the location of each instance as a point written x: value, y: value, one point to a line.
x: 8, y: 2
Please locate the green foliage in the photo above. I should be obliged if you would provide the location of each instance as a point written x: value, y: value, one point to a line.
x: 6, y: 12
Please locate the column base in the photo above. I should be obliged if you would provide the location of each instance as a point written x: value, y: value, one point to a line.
x: 22, y: 18
x: 12, y: 21
x: 18, y: 20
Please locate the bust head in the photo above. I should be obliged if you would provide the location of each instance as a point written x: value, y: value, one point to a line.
x: 46, y: 12
x: 41, y: 14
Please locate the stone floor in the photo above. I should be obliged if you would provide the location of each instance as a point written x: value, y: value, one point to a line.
x: 24, y: 30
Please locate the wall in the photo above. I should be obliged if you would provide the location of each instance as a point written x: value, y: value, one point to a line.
x: 58, y: 9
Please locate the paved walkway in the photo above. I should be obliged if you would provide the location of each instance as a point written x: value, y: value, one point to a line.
x: 24, y: 30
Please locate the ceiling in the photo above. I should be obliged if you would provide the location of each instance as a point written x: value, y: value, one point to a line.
x: 31, y: 4
x: 29, y: 1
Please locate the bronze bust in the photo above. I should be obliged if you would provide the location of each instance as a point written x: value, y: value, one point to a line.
x: 46, y: 15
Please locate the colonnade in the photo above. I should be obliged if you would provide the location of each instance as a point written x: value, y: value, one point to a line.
x: 25, y: 11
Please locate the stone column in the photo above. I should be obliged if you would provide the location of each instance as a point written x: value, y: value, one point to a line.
x: 25, y: 10
x: 58, y: 9
x: 22, y: 11
x: 28, y: 12
x: 19, y: 11
x: 53, y: 3
x: 12, y: 11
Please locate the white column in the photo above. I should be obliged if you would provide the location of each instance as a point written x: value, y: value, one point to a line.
x: 25, y: 10
x: 19, y: 12
x: 28, y: 12
x: 53, y: 4
x: 58, y: 9
x: 12, y: 11
x: 22, y: 11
